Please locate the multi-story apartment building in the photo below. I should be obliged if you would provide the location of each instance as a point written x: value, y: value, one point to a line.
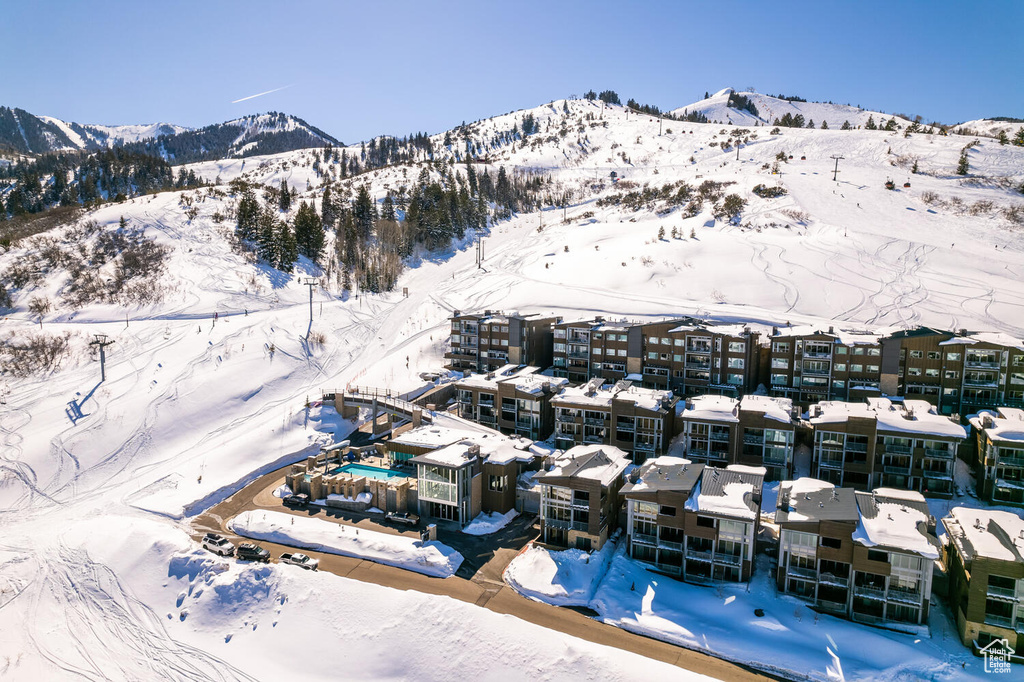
x: 864, y: 556
x: 483, y: 343
x: 579, y: 495
x: 588, y: 349
x: 957, y: 373
x: 637, y: 420
x: 999, y: 446
x: 881, y: 443
x: 756, y: 430
x: 511, y: 399
x: 694, y: 521
x: 810, y: 365
x: 704, y: 358
x: 985, y: 560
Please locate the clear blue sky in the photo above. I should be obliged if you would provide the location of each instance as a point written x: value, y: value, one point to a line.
x: 366, y: 68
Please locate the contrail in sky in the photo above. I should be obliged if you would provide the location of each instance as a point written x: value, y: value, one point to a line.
x: 260, y: 94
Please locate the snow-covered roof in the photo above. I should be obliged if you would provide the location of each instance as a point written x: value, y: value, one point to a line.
x: 664, y: 473
x: 429, y: 437
x: 599, y: 394
x: 603, y: 463
x: 526, y: 379
x: 779, y: 409
x: 454, y: 455
x: 731, y: 492
x: 1006, y: 424
x: 994, y: 338
x: 811, y: 500
x: 898, y: 522
x: 711, y: 407
x: 909, y: 416
x: 989, y: 533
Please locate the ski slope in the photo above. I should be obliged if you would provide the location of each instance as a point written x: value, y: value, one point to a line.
x: 98, y: 480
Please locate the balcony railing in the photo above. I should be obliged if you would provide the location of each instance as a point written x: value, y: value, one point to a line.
x: 773, y: 459
x: 999, y: 621
x: 802, y: 573
x: 645, y: 538
x: 902, y: 449
x: 690, y: 364
x: 703, y: 350
x: 817, y: 371
x: 937, y: 475
x: 935, y: 453
x: 578, y: 355
x: 719, y: 436
x: 831, y: 463
x: 669, y: 544
x: 868, y: 618
x: 488, y: 419
x: 753, y: 440
x: 628, y: 427
x: 1011, y: 461
x: 698, y: 555
x: 526, y: 422
x: 982, y: 364
x: 832, y: 579
x: 576, y: 525
x: 556, y: 523
x: 594, y: 421
x: 1005, y: 593
x: 817, y: 354
x: 898, y: 470
x: 869, y: 592
x: 730, y: 559
x: 977, y: 381
x: 486, y: 402
x: 857, y: 447
x: 904, y: 595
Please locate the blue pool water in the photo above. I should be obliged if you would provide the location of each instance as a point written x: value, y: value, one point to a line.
x: 370, y: 472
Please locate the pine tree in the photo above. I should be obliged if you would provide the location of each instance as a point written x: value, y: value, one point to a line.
x: 285, y: 200
x: 247, y: 216
x: 913, y: 169
x: 287, y: 249
x: 870, y: 125
x: 824, y: 125
x: 1003, y: 138
x: 363, y: 212
x: 122, y: 224
x: 846, y: 126
x: 387, y: 208
x: 309, y: 232
x: 266, y: 237
x: 327, y: 210
x: 963, y: 167
x: 810, y: 123
x: 661, y: 233
x: 1018, y: 139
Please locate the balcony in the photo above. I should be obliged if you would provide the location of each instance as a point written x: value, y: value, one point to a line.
x: 644, y: 538
x: 486, y: 402
x: 578, y: 340
x: 1004, y: 593
x: 817, y: 371
x: 1011, y: 461
x: 999, y: 621
x: 831, y: 463
x: 576, y: 525
x: 644, y: 447
x: 818, y: 354
x: 904, y: 596
x: 627, y: 427
x: 525, y: 422
x: 703, y: 350
x: 775, y: 460
x: 897, y: 470
x: 937, y: 475
x: 980, y: 363
x: 802, y: 573
x: 901, y: 449
x: 488, y: 419
x: 594, y: 421
x: 980, y: 381
x: 592, y: 439
x: 869, y: 592
x: 730, y: 559
x: 578, y: 355
x: 668, y: 544
x: 556, y: 523
x: 857, y: 447
x: 832, y: 579
x: 566, y: 418
x: 868, y: 618
x: 938, y: 454
x: 718, y: 436
x: 690, y: 364
x: 753, y: 440
x: 698, y: 555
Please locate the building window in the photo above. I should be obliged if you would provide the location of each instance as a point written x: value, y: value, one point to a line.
x: 779, y: 379
x: 840, y: 350
x: 705, y: 522
x: 735, y: 363
x: 917, y: 354
x: 838, y: 383
x: 737, y: 347
x: 874, y: 369
x: 496, y: 483
x: 780, y: 347
x: 856, y: 368
x: 858, y: 351
x: 622, y: 352
x: 840, y: 366
x: 952, y: 357
x: 666, y: 510
x: 933, y: 355
x: 914, y: 371
x: 878, y: 555
x: 874, y: 351
x: 780, y: 363
x: 952, y: 374
x: 931, y: 372
x: 831, y: 543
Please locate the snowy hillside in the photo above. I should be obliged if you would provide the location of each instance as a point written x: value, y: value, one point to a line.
x: 26, y: 133
x: 989, y: 127
x: 216, y: 380
x: 718, y: 110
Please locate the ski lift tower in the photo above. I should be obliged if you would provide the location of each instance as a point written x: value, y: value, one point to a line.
x: 310, y: 282
x: 102, y: 342
x: 837, y: 158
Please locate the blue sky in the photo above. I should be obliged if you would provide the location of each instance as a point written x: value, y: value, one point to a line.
x: 360, y: 69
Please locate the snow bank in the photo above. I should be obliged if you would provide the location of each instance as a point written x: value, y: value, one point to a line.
x: 431, y: 558
x: 565, y: 578
x: 485, y: 524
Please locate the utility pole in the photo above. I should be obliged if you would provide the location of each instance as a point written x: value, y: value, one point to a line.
x: 310, y: 282
x: 837, y: 157
x: 102, y: 342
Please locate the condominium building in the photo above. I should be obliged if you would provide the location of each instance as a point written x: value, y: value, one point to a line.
x: 999, y: 446
x: 579, y: 498
x: 483, y: 343
x: 588, y: 349
x: 637, y: 420
x: 708, y: 429
x: 706, y: 358
x: 957, y: 372
x: 767, y: 432
x: 694, y: 521
x: 512, y: 399
x: 868, y: 556
x: 985, y: 556
x: 884, y: 443
x: 810, y: 365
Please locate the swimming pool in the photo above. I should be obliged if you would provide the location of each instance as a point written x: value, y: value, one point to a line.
x: 369, y: 472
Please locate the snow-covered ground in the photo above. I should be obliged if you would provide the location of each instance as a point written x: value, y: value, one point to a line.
x: 487, y: 523
x: 192, y: 407
x: 430, y: 558
x: 789, y: 639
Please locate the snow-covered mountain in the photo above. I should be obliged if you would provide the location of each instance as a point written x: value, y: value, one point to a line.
x: 990, y: 127
x: 718, y: 109
x: 269, y: 133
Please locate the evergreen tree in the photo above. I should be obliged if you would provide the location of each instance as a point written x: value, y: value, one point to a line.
x: 798, y: 121
x: 327, y: 210
x: 285, y: 200
x: 1003, y: 138
x: 1018, y: 139
x: 122, y: 224
x: 846, y: 126
x: 363, y: 212
x: 266, y: 238
x: 870, y: 125
x: 247, y: 215
x: 309, y: 232
x: 963, y: 167
x: 810, y: 123
x: 287, y: 248
x: 387, y: 209
x: 824, y: 125
x: 661, y: 233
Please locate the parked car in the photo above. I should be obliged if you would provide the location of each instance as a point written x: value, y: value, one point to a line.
x: 298, y: 559
x: 218, y: 544
x: 299, y: 500
x: 403, y: 517
x: 252, y: 552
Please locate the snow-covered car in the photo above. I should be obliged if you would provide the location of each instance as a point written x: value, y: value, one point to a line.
x: 218, y: 544
x: 252, y: 552
x: 300, y: 500
x: 299, y: 559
